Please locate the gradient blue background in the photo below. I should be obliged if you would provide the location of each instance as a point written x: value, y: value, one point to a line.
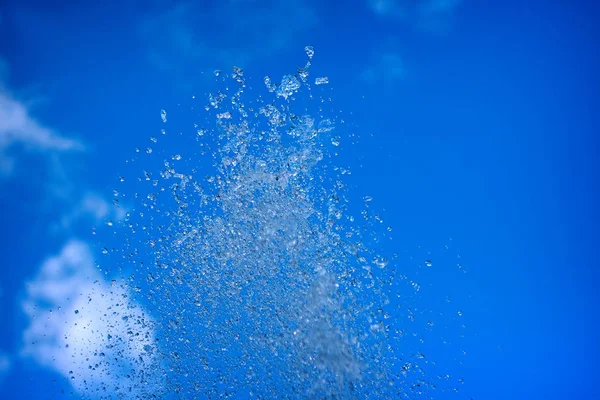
x: 485, y: 130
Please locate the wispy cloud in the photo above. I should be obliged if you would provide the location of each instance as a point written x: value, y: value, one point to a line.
x: 87, y: 329
x: 192, y: 37
x: 19, y: 129
x: 92, y: 207
x: 435, y: 16
x: 20, y: 134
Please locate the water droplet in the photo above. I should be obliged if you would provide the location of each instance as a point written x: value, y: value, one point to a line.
x: 238, y: 74
x: 271, y: 87
x: 289, y: 85
x: 163, y: 115
x: 310, y: 51
x: 381, y: 262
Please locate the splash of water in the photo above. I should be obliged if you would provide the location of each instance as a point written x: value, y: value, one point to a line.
x: 259, y: 280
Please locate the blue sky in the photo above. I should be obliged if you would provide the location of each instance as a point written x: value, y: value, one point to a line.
x: 479, y: 125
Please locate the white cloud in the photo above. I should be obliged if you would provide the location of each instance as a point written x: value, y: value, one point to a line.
x: 190, y: 37
x: 92, y: 206
x: 19, y: 132
x: 87, y: 329
x: 19, y: 128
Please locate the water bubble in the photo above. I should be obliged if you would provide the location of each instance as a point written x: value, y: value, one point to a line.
x: 322, y: 81
x: 163, y: 115
x: 428, y: 263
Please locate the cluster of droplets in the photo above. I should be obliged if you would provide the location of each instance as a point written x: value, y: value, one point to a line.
x: 263, y: 285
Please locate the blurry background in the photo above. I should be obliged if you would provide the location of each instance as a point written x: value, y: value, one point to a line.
x: 484, y: 122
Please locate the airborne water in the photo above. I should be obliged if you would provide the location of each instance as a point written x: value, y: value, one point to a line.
x: 258, y: 277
